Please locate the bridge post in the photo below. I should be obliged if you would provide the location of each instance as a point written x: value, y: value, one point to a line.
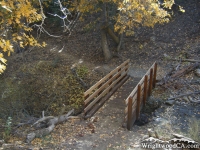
x: 138, y: 101
x: 154, y: 75
x: 129, y: 121
x: 145, y: 89
x: 150, y: 82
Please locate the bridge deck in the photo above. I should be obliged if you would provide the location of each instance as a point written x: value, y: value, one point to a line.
x: 112, y: 113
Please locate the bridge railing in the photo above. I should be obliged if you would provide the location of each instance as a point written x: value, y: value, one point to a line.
x: 104, y: 88
x: 137, y: 98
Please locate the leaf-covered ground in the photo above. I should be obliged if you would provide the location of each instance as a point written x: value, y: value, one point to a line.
x: 43, y: 79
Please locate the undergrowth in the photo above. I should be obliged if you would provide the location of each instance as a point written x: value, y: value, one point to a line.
x: 41, y: 86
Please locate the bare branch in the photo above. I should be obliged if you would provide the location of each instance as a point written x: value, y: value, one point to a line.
x: 40, y: 26
x: 196, y: 92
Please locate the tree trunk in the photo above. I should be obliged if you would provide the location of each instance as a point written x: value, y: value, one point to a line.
x: 104, y: 43
x: 120, y: 44
x: 112, y: 35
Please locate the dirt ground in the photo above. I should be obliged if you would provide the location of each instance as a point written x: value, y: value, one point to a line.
x: 180, y: 38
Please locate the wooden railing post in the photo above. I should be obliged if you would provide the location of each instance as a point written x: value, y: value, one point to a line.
x: 138, y: 101
x: 110, y: 82
x: 129, y: 121
x: 154, y: 75
x: 119, y: 71
x: 150, y: 81
x: 145, y: 89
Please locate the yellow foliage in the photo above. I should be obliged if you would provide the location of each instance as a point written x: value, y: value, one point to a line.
x: 131, y: 12
x: 15, y: 18
x: 2, y: 63
x: 143, y: 12
x: 17, y: 15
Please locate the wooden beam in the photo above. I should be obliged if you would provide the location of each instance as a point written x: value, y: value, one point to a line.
x: 100, y: 104
x: 106, y: 77
x: 145, y: 89
x: 103, y: 93
x: 138, y: 101
x: 129, y: 121
x: 154, y: 75
x: 150, y: 82
x: 104, y: 86
x: 140, y: 82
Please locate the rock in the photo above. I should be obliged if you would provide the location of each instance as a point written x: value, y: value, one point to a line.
x: 161, y: 122
x: 178, y: 103
x: 145, y: 137
x: 186, y: 99
x: 197, y: 72
x: 151, y: 133
x: 2, y: 142
x: 190, y: 98
x: 170, y: 102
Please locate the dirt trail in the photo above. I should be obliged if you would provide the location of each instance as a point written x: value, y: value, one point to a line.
x: 109, y: 133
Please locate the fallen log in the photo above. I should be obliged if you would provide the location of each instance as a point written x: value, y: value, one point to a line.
x: 174, y: 74
x: 196, y: 92
x: 183, y: 60
x: 50, y: 122
x: 185, y: 70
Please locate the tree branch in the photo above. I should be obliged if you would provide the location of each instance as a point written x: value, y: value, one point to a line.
x: 196, y: 92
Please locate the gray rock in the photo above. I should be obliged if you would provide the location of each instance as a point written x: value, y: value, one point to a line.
x: 178, y: 103
x: 161, y: 122
x: 170, y: 102
x: 186, y: 99
x: 2, y: 142
x: 145, y: 137
x: 197, y: 72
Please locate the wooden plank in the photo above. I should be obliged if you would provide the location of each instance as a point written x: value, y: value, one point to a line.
x: 138, y: 101
x: 154, y: 75
x: 133, y: 106
x: 133, y: 118
x: 150, y: 81
x: 133, y: 109
x: 103, y: 93
x: 110, y: 78
x: 145, y: 89
x: 134, y: 90
x: 133, y: 93
x: 107, y: 83
x: 106, y: 77
x: 144, y: 86
x: 100, y: 104
x: 129, y: 121
x: 134, y: 103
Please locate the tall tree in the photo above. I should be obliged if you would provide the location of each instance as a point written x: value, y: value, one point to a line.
x: 117, y: 17
x: 123, y: 16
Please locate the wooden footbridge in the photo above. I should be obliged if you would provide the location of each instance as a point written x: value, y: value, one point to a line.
x: 136, y: 92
